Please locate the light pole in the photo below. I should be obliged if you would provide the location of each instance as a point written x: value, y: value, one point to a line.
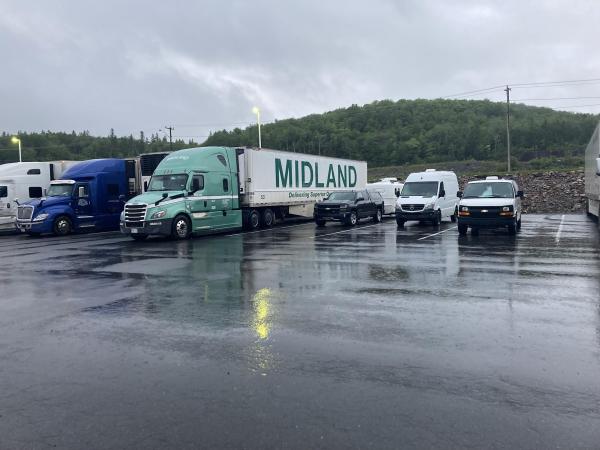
x: 16, y: 140
x: 256, y: 111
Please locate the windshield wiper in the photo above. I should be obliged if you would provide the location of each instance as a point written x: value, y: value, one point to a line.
x: 169, y: 198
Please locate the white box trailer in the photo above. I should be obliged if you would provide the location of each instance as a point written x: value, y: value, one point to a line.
x: 592, y: 174
x: 294, y: 181
x: 24, y: 181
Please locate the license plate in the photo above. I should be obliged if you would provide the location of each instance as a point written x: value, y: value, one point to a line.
x: 134, y: 231
x: 22, y: 230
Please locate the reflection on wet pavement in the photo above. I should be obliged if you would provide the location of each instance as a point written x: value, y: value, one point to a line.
x: 304, y: 337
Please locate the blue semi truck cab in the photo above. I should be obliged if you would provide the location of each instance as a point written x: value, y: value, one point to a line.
x: 90, y: 196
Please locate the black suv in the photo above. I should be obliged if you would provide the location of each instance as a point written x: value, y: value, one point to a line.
x: 349, y: 207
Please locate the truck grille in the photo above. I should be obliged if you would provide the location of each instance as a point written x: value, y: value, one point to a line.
x: 322, y: 209
x: 24, y: 212
x: 483, y: 212
x: 134, y: 215
x: 412, y: 207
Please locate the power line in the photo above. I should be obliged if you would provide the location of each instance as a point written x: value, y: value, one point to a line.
x: 553, y: 98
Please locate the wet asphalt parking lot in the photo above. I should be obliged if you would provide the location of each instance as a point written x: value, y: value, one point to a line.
x: 298, y: 337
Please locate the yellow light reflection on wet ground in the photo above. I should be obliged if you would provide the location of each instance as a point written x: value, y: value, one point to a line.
x: 262, y: 311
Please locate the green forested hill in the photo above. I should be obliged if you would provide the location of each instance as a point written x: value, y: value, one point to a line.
x: 420, y: 131
x: 385, y: 133
x: 49, y: 146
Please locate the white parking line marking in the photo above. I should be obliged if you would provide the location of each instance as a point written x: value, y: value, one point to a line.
x: 343, y: 231
x: 557, y: 238
x: 268, y: 229
x: 435, y: 234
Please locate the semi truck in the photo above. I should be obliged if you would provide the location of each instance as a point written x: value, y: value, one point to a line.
x: 211, y: 189
x: 89, y: 196
x: 592, y: 174
x: 24, y: 181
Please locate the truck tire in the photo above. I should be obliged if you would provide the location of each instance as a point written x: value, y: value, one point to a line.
x: 320, y: 223
x: 181, y: 228
x: 377, y: 216
x: 62, y: 226
x: 437, y: 219
x: 462, y: 229
x: 139, y: 237
x: 512, y: 228
x: 253, y: 220
x: 352, y: 219
x: 475, y: 231
x: 519, y: 224
x: 453, y: 216
x: 400, y: 222
x: 267, y: 218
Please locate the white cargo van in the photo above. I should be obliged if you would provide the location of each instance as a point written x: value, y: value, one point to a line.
x: 429, y: 195
x: 388, y: 188
x: 25, y: 181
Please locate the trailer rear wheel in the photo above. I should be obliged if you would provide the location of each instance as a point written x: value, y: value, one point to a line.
x: 267, y: 218
x: 182, y: 228
x: 62, y: 226
x: 320, y: 223
x: 253, y: 220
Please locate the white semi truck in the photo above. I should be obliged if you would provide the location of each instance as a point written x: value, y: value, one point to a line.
x: 208, y: 189
x: 592, y: 174
x: 24, y: 181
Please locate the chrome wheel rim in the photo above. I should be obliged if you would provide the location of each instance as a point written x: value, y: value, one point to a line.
x: 181, y: 228
x: 62, y: 226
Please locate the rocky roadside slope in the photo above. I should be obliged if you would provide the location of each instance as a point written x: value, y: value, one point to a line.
x: 548, y: 192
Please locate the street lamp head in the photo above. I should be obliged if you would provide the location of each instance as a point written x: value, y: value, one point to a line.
x: 15, y: 140
x: 255, y: 110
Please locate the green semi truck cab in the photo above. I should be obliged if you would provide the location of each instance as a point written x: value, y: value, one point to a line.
x: 211, y: 189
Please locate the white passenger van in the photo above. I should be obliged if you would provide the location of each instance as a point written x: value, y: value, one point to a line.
x: 490, y: 203
x: 429, y: 195
x: 592, y: 174
x: 388, y: 188
x: 25, y: 181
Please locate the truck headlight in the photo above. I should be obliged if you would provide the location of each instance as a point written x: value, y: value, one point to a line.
x: 122, y: 217
x: 464, y: 208
x: 428, y: 207
x: 158, y: 214
x: 506, y: 208
x: 40, y: 217
x: 343, y: 206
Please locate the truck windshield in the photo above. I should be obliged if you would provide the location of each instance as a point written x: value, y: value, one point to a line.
x: 341, y: 196
x: 489, y: 190
x: 420, y: 189
x: 3, y: 191
x: 176, y: 182
x: 60, y: 190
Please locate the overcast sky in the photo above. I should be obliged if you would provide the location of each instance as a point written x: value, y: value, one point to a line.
x: 201, y: 65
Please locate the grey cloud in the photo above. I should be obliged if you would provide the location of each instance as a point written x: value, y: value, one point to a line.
x: 142, y: 65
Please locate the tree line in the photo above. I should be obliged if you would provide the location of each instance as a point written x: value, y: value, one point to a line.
x: 383, y: 133
x: 51, y: 146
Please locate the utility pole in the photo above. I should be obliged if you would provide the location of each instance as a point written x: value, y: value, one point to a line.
x: 171, y: 137
x: 507, y: 90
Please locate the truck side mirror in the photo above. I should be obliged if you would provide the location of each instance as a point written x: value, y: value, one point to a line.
x: 459, y: 194
x: 16, y: 201
x: 165, y: 195
x: 520, y: 194
x: 442, y: 193
x: 597, y: 166
x: 81, y: 191
x: 397, y: 192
